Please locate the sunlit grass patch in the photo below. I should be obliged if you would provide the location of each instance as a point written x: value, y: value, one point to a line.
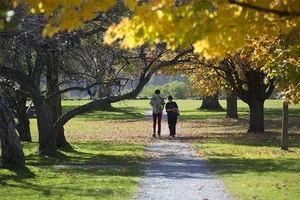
x: 91, y: 170
x: 68, y: 183
x: 255, y: 171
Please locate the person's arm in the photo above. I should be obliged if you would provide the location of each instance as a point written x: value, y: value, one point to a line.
x: 167, y: 108
x: 151, y: 102
x: 176, y: 106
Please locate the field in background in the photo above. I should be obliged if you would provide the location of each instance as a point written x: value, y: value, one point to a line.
x: 112, y: 124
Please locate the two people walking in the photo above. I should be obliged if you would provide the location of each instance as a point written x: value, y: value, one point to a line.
x: 157, y: 103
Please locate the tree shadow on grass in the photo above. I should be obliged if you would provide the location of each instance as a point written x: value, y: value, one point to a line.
x: 235, y: 131
x: 249, y: 139
x: 260, y: 165
x: 56, y: 182
x: 77, y: 157
x: 112, y: 113
x: 18, y: 174
x: 81, y: 166
x: 270, y: 113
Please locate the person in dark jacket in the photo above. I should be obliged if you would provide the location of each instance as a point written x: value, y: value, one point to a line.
x: 172, y: 112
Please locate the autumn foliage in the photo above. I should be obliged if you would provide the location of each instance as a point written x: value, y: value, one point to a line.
x: 213, y: 28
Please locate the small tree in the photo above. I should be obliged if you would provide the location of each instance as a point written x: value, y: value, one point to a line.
x: 252, y: 86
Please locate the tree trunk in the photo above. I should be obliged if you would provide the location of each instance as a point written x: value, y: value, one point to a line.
x: 23, y: 120
x: 231, y: 111
x: 256, y: 116
x: 12, y: 155
x: 284, y: 134
x: 211, y: 103
x: 47, y: 135
x: 55, y: 101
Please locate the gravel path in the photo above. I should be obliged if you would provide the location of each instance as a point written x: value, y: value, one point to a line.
x: 177, y: 173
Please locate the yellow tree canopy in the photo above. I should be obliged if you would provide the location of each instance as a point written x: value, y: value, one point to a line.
x: 211, y: 26
x: 280, y: 59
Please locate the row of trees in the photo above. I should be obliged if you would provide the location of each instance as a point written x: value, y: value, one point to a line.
x: 28, y: 60
x: 151, y: 29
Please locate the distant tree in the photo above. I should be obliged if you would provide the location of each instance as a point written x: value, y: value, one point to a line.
x: 252, y: 86
x: 211, y: 102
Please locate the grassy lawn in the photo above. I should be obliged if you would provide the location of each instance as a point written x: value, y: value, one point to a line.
x: 108, y: 148
x: 255, y: 171
x: 91, y: 170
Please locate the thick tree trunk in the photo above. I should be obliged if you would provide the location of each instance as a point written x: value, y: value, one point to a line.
x: 55, y: 101
x: 284, y: 134
x: 47, y: 135
x: 12, y: 155
x: 231, y: 111
x: 256, y: 116
x: 211, y: 103
x: 23, y: 120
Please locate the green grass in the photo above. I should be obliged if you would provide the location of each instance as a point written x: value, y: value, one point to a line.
x: 135, y: 109
x: 43, y: 179
x: 255, y: 170
x: 119, y: 111
x: 252, y: 166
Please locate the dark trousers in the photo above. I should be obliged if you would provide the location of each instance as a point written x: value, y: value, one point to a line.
x: 156, y: 116
x: 172, y: 121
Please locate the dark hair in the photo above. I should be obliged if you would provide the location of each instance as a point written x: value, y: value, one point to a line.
x: 157, y: 92
x: 170, y: 97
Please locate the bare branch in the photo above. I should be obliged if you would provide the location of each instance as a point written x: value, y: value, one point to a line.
x: 267, y: 10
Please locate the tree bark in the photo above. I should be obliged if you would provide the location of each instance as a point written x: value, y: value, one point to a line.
x: 284, y: 134
x: 256, y: 116
x: 47, y: 135
x: 23, y: 120
x: 55, y: 101
x: 211, y: 103
x: 12, y: 155
x: 231, y: 101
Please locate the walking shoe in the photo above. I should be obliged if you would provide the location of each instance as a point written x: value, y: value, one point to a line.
x: 158, y: 134
x: 154, y: 135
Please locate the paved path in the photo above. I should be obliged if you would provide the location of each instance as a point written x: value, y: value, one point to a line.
x: 177, y: 173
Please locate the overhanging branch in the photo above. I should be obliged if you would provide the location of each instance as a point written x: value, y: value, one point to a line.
x: 267, y: 10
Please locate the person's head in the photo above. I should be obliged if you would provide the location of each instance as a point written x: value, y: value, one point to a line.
x: 170, y: 98
x: 157, y: 92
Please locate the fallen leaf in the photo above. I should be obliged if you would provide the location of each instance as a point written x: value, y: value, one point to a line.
x: 201, y: 187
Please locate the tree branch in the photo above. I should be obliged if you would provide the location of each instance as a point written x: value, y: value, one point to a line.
x: 20, y: 78
x: 267, y: 10
x: 144, y: 79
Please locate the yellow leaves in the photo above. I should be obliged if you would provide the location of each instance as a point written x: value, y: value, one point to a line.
x: 160, y: 14
x: 201, y: 47
x: 238, y: 11
x: 49, y: 31
x: 69, y: 14
x: 214, y: 28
